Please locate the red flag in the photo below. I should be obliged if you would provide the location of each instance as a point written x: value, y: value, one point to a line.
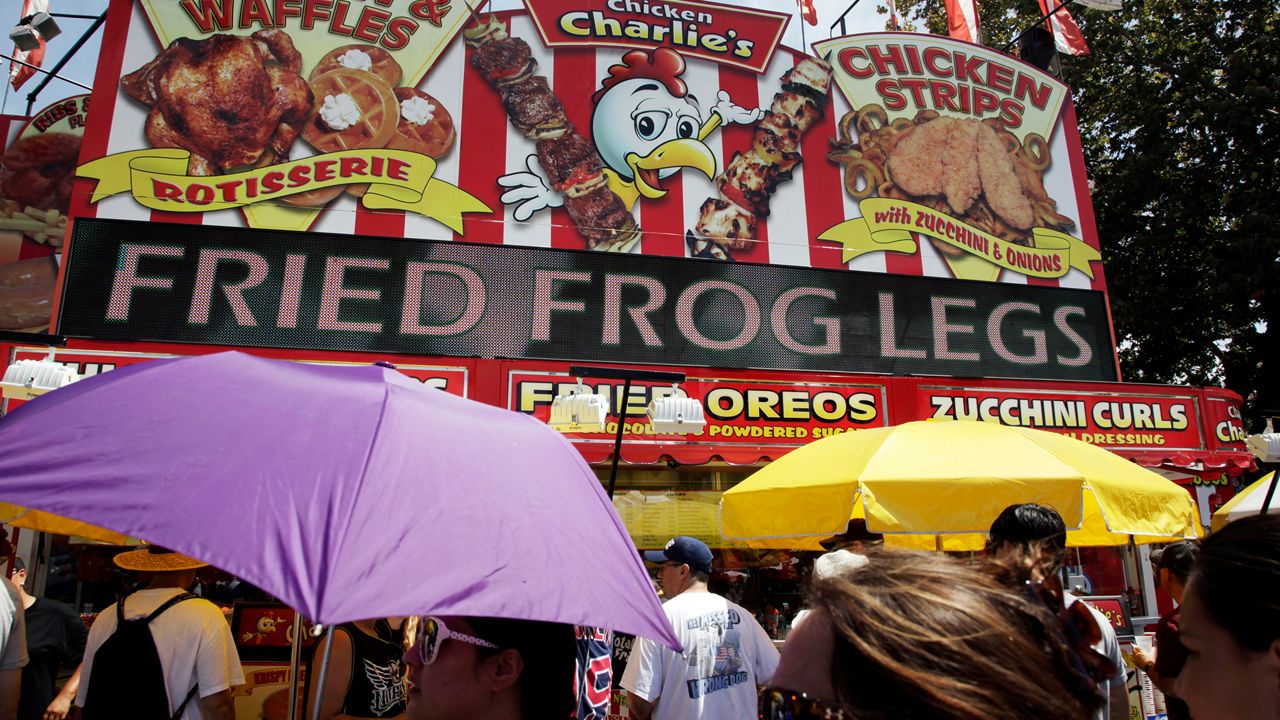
x: 962, y: 20
x: 19, y: 74
x: 1066, y: 33
x: 808, y: 12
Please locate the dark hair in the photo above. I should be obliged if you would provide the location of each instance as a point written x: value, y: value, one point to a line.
x: 1177, y: 558
x: 1029, y: 524
x: 1237, y: 577
x: 921, y: 635
x: 550, y: 653
x: 699, y: 576
x: 18, y: 565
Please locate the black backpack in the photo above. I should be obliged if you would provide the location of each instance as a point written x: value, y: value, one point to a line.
x: 126, y: 679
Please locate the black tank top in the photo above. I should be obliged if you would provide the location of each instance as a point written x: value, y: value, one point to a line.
x: 377, y: 672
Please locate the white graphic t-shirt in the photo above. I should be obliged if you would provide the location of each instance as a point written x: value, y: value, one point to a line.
x: 726, y: 654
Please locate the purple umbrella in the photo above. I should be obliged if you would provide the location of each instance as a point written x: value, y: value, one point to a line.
x: 347, y: 492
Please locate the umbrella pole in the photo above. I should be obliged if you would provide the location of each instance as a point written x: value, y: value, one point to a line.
x: 324, y: 670
x: 617, y: 440
x: 294, y: 656
x: 1266, y: 502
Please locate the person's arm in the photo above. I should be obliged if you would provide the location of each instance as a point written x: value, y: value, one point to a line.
x: 10, y: 686
x: 338, y: 679
x: 643, y: 675
x: 766, y: 655
x: 61, y: 704
x: 218, y: 706
x: 1147, y: 664
x: 217, y: 662
x: 638, y: 707
x: 1119, y: 704
x: 13, y: 648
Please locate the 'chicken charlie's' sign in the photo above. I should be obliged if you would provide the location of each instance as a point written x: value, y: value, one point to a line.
x: 659, y: 127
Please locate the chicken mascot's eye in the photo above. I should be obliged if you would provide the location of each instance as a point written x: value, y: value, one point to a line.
x: 686, y: 128
x: 650, y: 125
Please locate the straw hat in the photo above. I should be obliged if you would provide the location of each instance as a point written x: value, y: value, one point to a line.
x: 154, y: 558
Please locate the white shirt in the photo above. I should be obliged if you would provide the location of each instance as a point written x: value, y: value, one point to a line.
x: 1109, y: 646
x: 193, y: 640
x: 726, y: 654
x: 13, y: 630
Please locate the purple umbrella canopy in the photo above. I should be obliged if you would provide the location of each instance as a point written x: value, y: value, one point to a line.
x: 347, y: 492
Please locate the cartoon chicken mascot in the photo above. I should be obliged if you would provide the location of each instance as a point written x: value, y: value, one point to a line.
x: 646, y: 127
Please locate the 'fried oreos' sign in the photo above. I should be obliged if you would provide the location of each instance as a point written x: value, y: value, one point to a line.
x: 148, y: 281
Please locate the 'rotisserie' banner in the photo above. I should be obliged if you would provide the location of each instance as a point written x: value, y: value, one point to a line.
x: 148, y: 281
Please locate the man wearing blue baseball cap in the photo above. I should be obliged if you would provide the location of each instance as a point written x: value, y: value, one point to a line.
x: 726, y: 652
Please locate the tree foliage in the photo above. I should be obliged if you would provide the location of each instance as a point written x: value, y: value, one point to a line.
x: 1177, y: 104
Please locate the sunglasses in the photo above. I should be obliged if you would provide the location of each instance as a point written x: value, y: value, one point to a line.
x: 783, y: 704
x: 432, y: 632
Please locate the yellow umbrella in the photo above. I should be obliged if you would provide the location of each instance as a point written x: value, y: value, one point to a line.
x: 21, y: 517
x: 952, y: 479
x: 1247, y: 502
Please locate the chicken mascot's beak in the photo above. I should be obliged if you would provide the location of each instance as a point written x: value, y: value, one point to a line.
x: 685, y: 152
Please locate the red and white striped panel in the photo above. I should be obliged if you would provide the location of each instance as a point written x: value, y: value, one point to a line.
x: 488, y: 147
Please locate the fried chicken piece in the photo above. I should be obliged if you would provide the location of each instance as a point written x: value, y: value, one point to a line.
x: 915, y: 162
x: 751, y: 180
x: 960, y: 181
x: 1000, y: 182
x: 802, y: 109
x: 38, y: 170
x: 724, y: 223
x: 226, y: 99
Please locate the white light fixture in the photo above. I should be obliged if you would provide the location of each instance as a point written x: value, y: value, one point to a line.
x: 676, y: 414
x: 46, y: 26
x: 579, y: 411
x: 24, y: 37
x: 1266, y: 445
x: 26, y: 379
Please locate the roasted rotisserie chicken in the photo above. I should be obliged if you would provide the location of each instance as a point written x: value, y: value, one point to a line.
x: 231, y: 101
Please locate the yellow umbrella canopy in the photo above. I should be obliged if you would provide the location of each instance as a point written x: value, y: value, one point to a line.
x: 21, y: 517
x: 1247, y: 502
x: 921, y: 479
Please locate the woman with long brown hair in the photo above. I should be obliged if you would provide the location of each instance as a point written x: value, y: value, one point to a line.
x: 916, y: 635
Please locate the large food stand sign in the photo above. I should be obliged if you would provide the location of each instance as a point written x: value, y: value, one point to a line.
x: 678, y: 128
x: 140, y: 282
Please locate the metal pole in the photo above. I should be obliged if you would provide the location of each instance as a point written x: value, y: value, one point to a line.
x: 1033, y: 26
x: 1271, y: 491
x: 627, y: 375
x: 42, y: 70
x: 617, y: 440
x: 294, y: 657
x: 97, y: 22
x: 840, y: 20
x: 324, y: 670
